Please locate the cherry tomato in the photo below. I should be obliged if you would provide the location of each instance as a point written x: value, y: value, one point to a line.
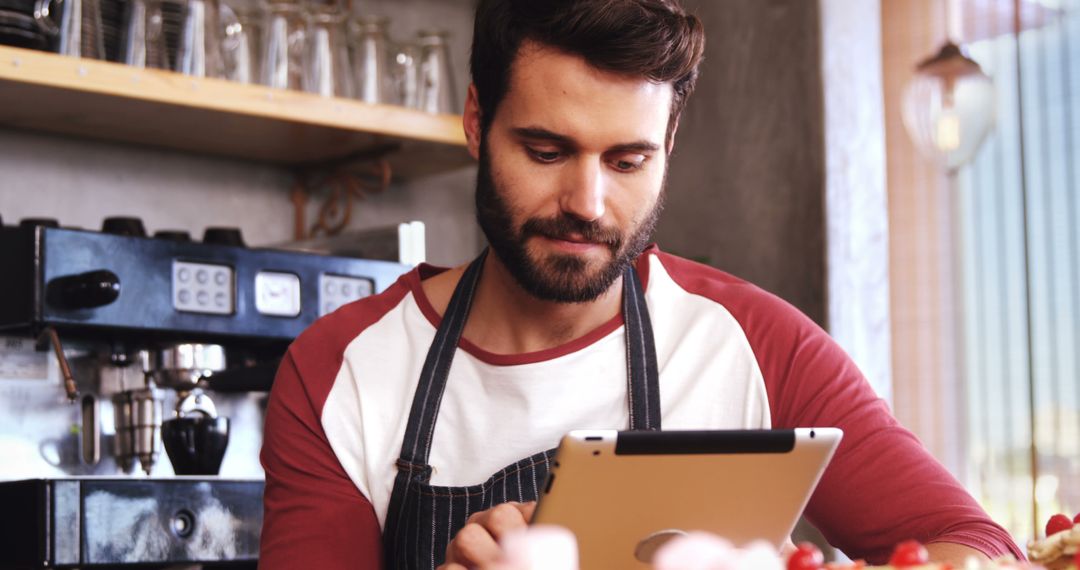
x: 1058, y: 523
x: 909, y: 553
x: 1076, y: 519
x: 806, y: 557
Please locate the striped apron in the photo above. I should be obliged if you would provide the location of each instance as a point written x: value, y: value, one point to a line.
x: 423, y: 518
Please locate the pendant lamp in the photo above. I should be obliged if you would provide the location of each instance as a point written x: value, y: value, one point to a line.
x: 948, y: 107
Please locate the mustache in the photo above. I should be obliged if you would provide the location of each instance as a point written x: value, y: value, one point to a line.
x: 563, y: 227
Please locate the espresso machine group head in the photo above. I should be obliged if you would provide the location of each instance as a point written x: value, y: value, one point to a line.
x: 195, y: 436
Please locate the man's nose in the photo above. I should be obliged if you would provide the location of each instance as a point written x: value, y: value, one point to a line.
x: 584, y: 190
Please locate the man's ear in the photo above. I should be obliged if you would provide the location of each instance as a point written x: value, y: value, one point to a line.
x: 471, y: 121
x: 671, y: 138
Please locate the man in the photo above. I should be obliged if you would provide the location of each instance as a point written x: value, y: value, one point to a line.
x: 412, y: 428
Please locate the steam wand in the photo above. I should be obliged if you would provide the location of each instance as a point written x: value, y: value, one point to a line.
x: 70, y: 387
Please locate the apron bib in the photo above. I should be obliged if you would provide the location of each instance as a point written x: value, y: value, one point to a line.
x: 423, y: 518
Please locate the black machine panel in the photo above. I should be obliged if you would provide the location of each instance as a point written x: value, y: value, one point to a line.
x: 67, y: 523
x: 120, y: 285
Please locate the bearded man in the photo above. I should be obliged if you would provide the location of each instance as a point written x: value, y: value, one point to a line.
x: 413, y: 428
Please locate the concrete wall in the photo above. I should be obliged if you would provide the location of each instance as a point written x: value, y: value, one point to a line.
x: 747, y: 179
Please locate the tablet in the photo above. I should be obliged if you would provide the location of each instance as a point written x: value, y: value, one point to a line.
x: 625, y: 493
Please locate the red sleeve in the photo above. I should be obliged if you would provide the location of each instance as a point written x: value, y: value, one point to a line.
x: 314, y: 516
x: 882, y: 486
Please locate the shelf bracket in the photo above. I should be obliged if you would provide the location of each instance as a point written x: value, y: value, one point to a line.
x: 339, y: 184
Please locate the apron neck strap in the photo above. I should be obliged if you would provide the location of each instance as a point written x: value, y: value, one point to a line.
x: 642, y: 373
x: 641, y: 368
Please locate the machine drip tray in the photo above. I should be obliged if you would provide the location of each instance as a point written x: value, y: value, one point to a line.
x: 110, y: 522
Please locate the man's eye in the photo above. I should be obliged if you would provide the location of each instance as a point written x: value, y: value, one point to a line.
x: 546, y: 156
x: 628, y: 165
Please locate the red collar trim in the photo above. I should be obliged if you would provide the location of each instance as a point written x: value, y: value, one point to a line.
x: 425, y: 271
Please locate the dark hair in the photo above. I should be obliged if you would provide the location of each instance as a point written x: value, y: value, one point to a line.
x: 654, y: 39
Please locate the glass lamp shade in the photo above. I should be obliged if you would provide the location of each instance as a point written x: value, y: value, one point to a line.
x: 948, y: 107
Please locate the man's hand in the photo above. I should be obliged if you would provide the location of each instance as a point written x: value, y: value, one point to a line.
x: 476, y: 545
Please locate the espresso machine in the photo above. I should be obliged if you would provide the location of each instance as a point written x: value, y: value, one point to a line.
x: 134, y: 371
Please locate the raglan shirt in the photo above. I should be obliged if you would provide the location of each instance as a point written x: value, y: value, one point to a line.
x: 730, y: 356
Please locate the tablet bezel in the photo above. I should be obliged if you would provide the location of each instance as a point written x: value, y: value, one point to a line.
x: 612, y: 503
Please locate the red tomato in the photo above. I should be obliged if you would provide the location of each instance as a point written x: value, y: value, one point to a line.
x: 909, y: 553
x: 1076, y: 519
x: 806, y: 557
x: 1058, y: 523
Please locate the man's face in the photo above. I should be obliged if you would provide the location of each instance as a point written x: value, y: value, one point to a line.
x: 571, y: 173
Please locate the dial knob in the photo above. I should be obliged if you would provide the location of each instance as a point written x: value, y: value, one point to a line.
x: 35, y: 222
x: 123, y: 226
x: 224, y: 236
x: 85, y: 290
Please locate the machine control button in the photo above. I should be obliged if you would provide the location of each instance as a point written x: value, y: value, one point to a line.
x: 183, y: 523
x: 277, y: 294
x: 338, y: 290
x: 124, y: 226
x: 224, y: 236
x: 203, y: 288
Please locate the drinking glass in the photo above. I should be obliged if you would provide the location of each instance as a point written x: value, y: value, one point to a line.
x: 369, y: 52
x: 144, y: 36
x: 20, y: 29
x: 405, y: 73
x: 283, y: 46
x: 436, y: 88
x: 326, y: 63
x: 240, y: 43
x: 199, y: 52
x: 79, y: 32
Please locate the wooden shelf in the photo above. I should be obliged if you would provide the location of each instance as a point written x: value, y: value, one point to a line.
x: 107, y: 101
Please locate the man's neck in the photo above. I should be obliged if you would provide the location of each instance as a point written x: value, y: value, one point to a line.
x: 506, y: 319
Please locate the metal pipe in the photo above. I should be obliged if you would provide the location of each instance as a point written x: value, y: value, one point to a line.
x: 70, y: 387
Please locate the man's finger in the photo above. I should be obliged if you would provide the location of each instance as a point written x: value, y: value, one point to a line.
x: 527, y: 510
x: 473, y: 546
x: 505, y: 518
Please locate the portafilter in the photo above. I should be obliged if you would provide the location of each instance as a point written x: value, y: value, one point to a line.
x: 196, y: 438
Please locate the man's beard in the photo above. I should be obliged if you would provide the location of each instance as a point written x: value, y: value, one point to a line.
x: 556, y: 277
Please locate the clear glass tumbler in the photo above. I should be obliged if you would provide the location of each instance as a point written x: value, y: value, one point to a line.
x: 326, y: 63
x: 240, y: 42
x: 437, y: 93
x: 79, y: 33
x: 370, y: 59
x: 284, y: 38
x: 144, y: 35
x: 199, y: 52
x: 405, y: 71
